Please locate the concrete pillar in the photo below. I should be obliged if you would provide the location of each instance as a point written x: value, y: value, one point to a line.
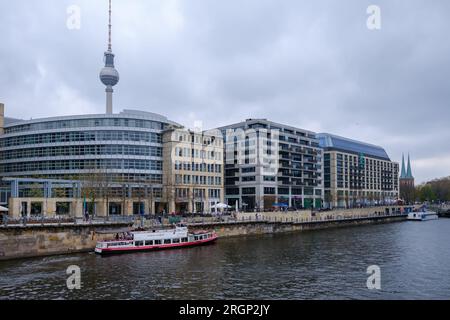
x: 76, y: 209
x: 147, y: 207
x: 49, y: 207
x: 128, y: 210
x: 190, y: 202
x: 101, y: 208
x: 171, y: 206
x: 14, y: 207
x: 28, y: 207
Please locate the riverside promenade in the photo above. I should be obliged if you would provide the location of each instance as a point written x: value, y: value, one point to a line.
x: 290, y: 221
x: 40, y: 238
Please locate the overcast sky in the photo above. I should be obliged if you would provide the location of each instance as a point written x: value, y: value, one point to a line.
x: 314, y: 65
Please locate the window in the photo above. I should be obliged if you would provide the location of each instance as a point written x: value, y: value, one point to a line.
x: 176, y: 240
x: 248, y: 190
x: 157, y: 241
x: 149, y: 242
x: 139, y: 243
x: 167, y: 241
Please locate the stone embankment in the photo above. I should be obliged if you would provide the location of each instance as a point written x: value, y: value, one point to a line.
x: 21, y: 241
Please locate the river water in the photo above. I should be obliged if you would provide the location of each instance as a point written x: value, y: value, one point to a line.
x: 414, y: 260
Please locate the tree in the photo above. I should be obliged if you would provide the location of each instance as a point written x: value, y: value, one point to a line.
x: 426, y: 193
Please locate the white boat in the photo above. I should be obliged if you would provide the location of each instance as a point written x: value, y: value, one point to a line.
x: 422, y: 215
x: 154, y: 240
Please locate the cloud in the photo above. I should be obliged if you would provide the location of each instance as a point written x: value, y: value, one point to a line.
x: 313, y: 65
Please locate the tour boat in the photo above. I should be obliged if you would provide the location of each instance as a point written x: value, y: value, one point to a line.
x: 422, y: 215
x: 134, y: 241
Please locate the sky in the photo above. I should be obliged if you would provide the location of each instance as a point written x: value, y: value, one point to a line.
x: 310, y: 64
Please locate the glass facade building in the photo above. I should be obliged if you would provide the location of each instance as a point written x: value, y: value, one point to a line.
x: 126, y: 146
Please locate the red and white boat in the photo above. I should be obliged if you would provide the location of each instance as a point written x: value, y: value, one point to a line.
x: 154, y: 240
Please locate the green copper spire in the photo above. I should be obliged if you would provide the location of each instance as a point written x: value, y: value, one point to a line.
x: 403, y: 174
x: 408, y: 171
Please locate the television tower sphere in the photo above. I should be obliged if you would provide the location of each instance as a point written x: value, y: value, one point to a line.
x: 109, y: 76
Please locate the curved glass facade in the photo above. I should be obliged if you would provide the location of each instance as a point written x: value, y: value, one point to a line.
x: 126, y: 146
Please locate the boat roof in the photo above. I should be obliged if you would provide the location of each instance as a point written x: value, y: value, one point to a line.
x: 114, y: 231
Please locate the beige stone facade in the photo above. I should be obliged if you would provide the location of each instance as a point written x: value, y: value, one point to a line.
x: 192, y: 170
x: 351, y: 180
x: 73, y: 207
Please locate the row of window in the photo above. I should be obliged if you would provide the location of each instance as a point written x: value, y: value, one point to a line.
x: 88, y: 164
x: 274, y: 191
x: 184, y: 193
x: 184, y: 136
x: 198, y: 154
x: 198, y: 167
x: 123, y: 177
x: 81, y: 136
x: 194, y: 179
x: 84, y: 150
x: 87, y: 123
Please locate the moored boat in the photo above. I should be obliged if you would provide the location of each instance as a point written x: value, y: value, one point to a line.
x: 424, y: 215
x: 134, y: 241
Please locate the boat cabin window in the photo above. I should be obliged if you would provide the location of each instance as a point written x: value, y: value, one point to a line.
x: 195, y: 238
x: 139, y: 243
x: 157, y: 241
x: 167, y: 241
x: 176, y: 240
x: 117, y: 244
x: 184, y: 239
x: 149, y: 242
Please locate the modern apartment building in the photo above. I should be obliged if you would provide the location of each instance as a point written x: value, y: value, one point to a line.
x: 269, y: 164
x: 193, y: 170
x: 357, y: 173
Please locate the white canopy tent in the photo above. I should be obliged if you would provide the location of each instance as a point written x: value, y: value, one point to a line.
x: 221, y: 206
x: 3, y: 209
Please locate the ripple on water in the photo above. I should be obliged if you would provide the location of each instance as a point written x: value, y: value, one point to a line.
x: 324, y: 264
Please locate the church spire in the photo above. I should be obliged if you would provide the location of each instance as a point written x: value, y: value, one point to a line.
x: 408, y: 171
x: 403, y: 174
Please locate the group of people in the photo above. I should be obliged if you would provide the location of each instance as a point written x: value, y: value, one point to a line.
x: 124, y: 236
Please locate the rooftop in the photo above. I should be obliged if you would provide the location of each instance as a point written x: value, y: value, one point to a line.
x: 131, y: 114
x: 333, y: 142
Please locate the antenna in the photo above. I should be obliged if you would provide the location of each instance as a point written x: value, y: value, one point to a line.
x: 109, y: 27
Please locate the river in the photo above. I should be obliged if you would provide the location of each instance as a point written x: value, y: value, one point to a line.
x: 414, y: 260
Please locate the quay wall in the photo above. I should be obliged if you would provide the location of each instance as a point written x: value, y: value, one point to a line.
x: 19, y: 241
x: 43, y: 240
x: 244, y: 228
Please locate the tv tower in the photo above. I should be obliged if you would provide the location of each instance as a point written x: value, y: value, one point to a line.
x: 109, y: 75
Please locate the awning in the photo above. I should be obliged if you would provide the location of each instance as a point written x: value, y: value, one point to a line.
x: 280, y: 205
x: 221, y: 206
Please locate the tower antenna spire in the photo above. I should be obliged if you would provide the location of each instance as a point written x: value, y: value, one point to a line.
x: 109, y: 29
x: 109, y: 75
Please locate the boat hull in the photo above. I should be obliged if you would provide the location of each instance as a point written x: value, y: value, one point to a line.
x: 116, y: 250
x: 419, y: 216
